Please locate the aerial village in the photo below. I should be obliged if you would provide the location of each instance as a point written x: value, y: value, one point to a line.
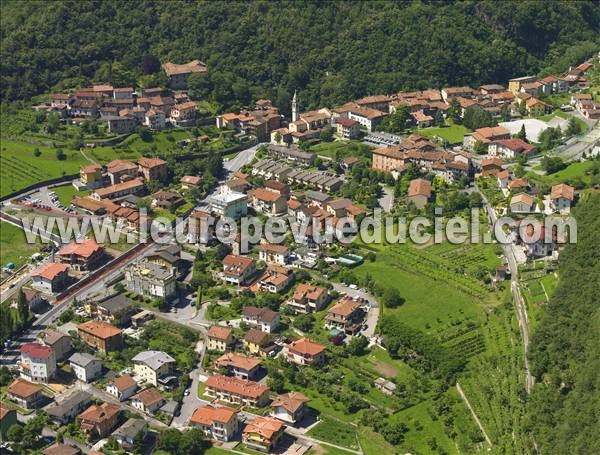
x: 205, y: 335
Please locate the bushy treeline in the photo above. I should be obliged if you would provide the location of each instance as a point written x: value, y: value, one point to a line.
x: 419, y: 349
x: 329, y: 51
x: 565, y: 350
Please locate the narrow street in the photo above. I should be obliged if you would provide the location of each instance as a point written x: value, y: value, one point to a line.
x: 520, y: 308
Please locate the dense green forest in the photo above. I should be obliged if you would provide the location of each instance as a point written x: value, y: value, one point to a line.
x: 565, y: 353
x: 330, y: 51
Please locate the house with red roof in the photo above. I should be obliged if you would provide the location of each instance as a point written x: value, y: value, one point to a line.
x: 82, y: 256
x: 238, y: 269
x: 347, y: 128
x: 101, y: 335
x: 50, y: 277
x: 346, y: 315
x: 305, y: 352
x: 26, y: 394
x: 237, y: 391
x: 263, y: 434
x: 562, y: 197
x: 308, y: 298
x: 239, y: 365
x: 220, y: 338
x: 419, y: 192
x: 290, y: 407
x: 217, y: 422
x: 38, y: 362
x: 510, y: 148
x: 153, y: 168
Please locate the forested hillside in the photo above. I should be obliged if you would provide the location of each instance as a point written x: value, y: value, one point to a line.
x: 565, y: 352
x: 330, y: 51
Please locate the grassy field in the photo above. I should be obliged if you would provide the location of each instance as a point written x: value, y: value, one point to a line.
x: 373, y: 443
x: 454, y: 134
x: 13, y: 245
x: 344, y: 148
x: 20, y: 168
x: 66, y: 193
x: 577, y: 170
x: 335, y: 432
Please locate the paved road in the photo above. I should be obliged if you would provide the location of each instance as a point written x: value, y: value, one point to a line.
x: 242, y: 158
x: 520, y: 307
x: 192, y: 401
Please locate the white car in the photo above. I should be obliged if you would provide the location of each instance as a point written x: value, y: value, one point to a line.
x: 353, y: 286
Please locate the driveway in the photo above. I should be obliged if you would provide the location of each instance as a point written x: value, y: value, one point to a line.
x: 192, y: 401
x: 387, y: 200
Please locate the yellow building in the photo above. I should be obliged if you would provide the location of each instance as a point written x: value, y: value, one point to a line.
x: 255, y: 340
x: 151, y: 366
x: 535, y: 107
x: 514, y: 85
x: 91, y: 175
x: 219, y: 338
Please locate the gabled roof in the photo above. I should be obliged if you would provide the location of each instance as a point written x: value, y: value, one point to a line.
x: 267, y: 427
x: 50, y: 271
x: 151, y: 162
x: 234, y: 360
x: 255, y: 336
x: 291, y: 401
x: 522, y: 198
x: 236, y: 386
x: 308, y: 291
x: 306, y: 346
x: 23, y: 389
x: 82, y: 359
x: 36, y: 350
x: 99, y: 329
x: 344, y: 307
x: 123, y: 382
x: 148, y: 396
x: 98, y: 414
x: 219, y: 332
x: 419, y: 187
x: 562, y: 191
x: 263, y: 314
x: 153, y: 359
x: 209, y: 414
x: 84, y: 249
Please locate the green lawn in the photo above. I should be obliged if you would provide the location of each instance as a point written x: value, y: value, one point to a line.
x: 19, y: 167
x: 344, y: 148
x: 577, y: 170
x: 66, y: 193
x: 566, y: 116
x: 373, y: 443
x: 13, y: 245
x: 454, y: 134
x: 335, y: 432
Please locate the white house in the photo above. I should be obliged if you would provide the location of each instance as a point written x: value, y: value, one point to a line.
x: 122, y: 387
x: 85, y: 366
x: 38, y: 362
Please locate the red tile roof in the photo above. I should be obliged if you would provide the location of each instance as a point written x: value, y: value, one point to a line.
x: 267, y: 427
x: 234, y: 360
x: 50, y: 270
x: 39, y: 351
x: 306, y: 346
x: 124, y: 382
x: 562, y: 190
x: 208, y: 414
x: 236, y: 386
x: 419, y: 187
x: 85, y: 249
x: 99, y: 329
x: 220, y: 333
x: 23, y: 389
